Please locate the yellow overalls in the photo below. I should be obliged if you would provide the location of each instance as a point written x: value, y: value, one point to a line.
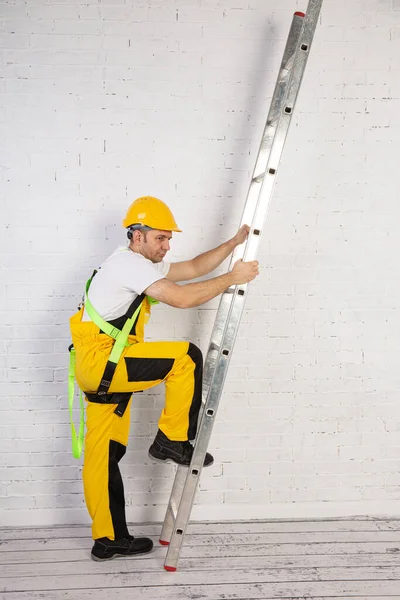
x: 141, y: 366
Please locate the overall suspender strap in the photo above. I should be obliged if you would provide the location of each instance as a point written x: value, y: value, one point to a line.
x: 121, y: 341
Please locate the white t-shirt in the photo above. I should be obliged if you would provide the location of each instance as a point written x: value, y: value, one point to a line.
x: 121, y: 278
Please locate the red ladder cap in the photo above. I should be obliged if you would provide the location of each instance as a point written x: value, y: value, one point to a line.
x: 169, y: 568
x: 164, y: 543
x: 300, y: 14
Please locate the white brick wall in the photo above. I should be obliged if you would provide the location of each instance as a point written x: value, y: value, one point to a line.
x: 105, y: 100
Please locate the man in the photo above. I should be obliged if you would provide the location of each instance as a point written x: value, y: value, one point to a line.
x: 127, y: 283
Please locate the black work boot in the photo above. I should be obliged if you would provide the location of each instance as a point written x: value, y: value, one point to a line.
x: 165, y: 450
x: 106, y: 549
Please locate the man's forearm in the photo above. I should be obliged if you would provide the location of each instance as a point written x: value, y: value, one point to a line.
x: 190, y: 295
x: 210, y: 260
x: 201, y: 292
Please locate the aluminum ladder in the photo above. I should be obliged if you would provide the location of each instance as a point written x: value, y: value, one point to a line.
x: 233, y: 299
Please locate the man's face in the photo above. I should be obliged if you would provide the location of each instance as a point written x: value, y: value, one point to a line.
x: 154, y: 244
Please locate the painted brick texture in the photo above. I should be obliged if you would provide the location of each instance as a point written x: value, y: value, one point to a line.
x: 102, y: 101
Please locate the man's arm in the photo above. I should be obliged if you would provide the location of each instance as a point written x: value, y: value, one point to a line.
x: 208, y: 261
x: 194, y: 294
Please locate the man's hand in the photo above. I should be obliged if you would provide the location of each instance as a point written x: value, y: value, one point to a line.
x: 208, y: 261
x: 243, y: 272
x: 241, y: 235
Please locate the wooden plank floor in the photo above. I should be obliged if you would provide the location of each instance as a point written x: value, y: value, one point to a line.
x: 355, y: 558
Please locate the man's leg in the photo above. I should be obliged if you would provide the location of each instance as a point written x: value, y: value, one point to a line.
x: 180, y: 366
x: 183, y: 387
x: 105, y: 445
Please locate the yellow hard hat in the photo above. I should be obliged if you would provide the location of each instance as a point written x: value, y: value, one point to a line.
x: 151, y: 212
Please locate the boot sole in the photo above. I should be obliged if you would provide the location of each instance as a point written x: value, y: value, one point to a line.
x: 97, y: 559
x: 173, y: 462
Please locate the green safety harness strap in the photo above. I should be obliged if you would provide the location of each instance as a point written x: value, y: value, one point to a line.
x: 120, y: 335
x: 121, y: 341
x: 77, y: 439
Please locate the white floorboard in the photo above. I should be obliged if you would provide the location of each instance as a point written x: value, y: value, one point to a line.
x: 315, y: 560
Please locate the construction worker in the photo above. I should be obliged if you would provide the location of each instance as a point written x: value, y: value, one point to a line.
x: 131, y: 279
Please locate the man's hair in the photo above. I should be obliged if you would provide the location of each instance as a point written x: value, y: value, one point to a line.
x: 144, y: 232
x: 138, y: 227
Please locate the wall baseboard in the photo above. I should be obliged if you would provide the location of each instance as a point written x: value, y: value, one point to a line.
x: 317, y: 510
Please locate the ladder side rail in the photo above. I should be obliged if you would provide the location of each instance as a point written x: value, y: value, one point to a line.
x: 274, y: 114
x: 299, y: 65
x: 205, y: 430
x: 173, y: 505
x: 261, y: 187
x: 268, y: 159
x: 181, y: 478
x: 227, y: 304
x: 236, y: 309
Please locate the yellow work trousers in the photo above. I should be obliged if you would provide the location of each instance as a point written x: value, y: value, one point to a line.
x: 142, y: 366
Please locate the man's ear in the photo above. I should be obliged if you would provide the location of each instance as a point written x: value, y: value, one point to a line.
x: 137, y: 235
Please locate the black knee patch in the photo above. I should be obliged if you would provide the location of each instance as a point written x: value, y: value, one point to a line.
x: 148, y: 369
x: 197, y: 357
x: 116, y: 490
x: 195, y: 354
